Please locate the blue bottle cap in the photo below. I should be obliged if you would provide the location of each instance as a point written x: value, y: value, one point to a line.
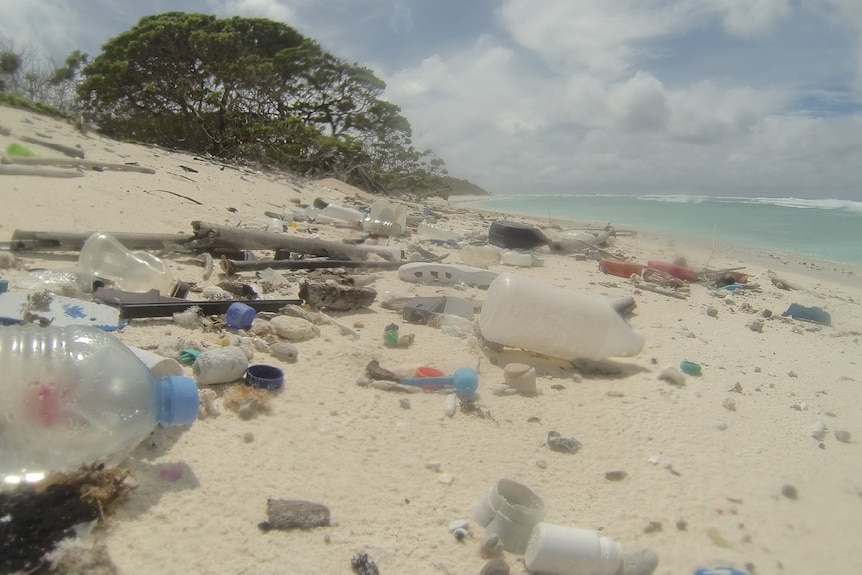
x: 239, y: 315
x: 177, y: 401
x: 264, y: 376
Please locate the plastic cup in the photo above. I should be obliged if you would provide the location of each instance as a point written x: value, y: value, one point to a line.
x: 239, y: 315
x: 510, y: 510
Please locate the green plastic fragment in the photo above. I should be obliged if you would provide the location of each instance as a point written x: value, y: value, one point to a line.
x: 690, y: 368
x: 15, y: 149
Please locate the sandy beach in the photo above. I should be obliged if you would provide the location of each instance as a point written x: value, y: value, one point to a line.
x: 705, y: 486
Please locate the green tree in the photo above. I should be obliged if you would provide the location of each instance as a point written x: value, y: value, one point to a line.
x: 248, y: 87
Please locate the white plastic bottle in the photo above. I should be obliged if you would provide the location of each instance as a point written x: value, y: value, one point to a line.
x: 525, y: 313
x: 562, y: 550
x: 76, y: 395
x: 104, y: 257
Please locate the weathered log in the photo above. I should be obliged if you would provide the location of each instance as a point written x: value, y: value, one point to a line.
x: 75, y: 163
x: 208, y: 235
x: 24, y: 240
x: 43, y: 171
x: 230, y: 266
x: 66, y: 150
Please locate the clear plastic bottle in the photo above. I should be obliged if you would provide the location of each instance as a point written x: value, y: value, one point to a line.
x: 104, y: 257
x: 75, y: 395
x: 522, y: 312
x: 429, y: 231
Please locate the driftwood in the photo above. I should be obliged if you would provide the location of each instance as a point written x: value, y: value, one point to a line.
x: 65, y: 150
x: 24, y: 240
x: 44, y: 171
x: 230, y: 266
x: 208, y: 235
x: 660, y: 290
x: 75, y: 163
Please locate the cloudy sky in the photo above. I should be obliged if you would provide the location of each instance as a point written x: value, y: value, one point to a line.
x: 706, y: 97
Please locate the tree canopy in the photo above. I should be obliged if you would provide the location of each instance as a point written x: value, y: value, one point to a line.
x: 252, y: 88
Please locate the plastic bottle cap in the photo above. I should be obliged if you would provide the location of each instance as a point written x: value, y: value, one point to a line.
x: 264, y: 376
x: 239, y: 315
x: 177, y: 401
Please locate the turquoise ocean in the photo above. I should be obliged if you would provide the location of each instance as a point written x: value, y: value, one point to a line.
x: 826, y: 230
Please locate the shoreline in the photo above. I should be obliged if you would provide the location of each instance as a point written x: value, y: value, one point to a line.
x: 702, y: 465
x: 848, y: 274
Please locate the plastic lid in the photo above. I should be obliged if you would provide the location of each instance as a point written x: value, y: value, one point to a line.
x: 264, y: 376
x: 177, y: 400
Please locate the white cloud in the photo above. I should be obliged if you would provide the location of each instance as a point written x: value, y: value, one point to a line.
x: 752, y: 17
x: 278, y: 10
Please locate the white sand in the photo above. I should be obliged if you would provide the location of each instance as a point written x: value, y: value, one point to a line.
x: 354, y: 449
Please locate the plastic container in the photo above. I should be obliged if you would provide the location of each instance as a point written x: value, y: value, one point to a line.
x: 104, y: 257
x: 522, y: 312
x: 75, y: 395
x: 385, y: 219
x: 515, y: 258
x: 429, y: 231
x: 343, y: 213
x: 480, y: 256
x: 559, y: 550
x: 510, y: 510
x: 516, y: 236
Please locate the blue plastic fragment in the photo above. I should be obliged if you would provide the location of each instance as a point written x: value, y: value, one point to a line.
x: 813, y: 314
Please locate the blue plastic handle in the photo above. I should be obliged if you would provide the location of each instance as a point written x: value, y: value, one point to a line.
x: 465, y: 380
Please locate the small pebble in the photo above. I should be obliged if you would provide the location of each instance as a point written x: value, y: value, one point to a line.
x: 653, y: 527
x: 721, y: 425
x: 446, y: 479
x: 496, y: 566
x: 460, y: 534
x: 789, y: 491
x: 681, y: 525
x: 248, y: 409
x: 791, y: 373
x: 756, y: 325
x: 248, y: 436
x: 541, y: 464
x: 433, y: 465
x: 284, y: 350
x: 558, y: 386
x: 672, y: 375
x: 729, y: 404
x: 767, y: 313
x: 639, y: 562
x: 557, y: 442
x: 404, y: 402
x: 842, y: 435
x: 363, y: 381
x: 818, y: 432
x: 491, y: 547
x: 615, y: 475
x: 711, y: 311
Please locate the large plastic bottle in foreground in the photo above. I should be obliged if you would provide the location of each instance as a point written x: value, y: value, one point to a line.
x: 75, y: 395
x: 522, y: 312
